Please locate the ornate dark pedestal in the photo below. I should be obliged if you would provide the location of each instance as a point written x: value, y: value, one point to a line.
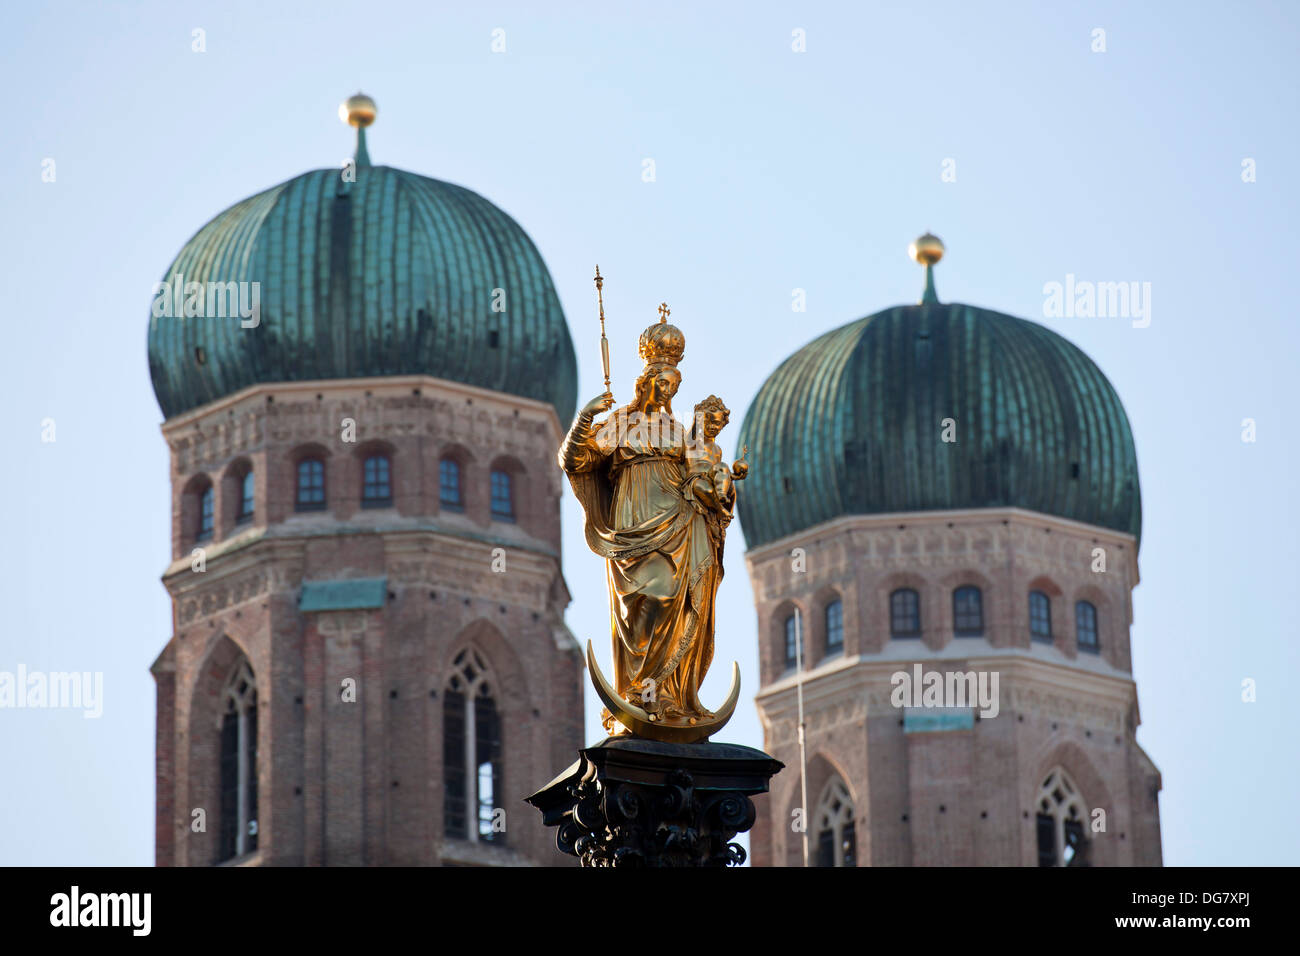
x: 641, y: 803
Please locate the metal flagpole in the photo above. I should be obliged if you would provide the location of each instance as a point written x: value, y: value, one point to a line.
x: 803, y: 753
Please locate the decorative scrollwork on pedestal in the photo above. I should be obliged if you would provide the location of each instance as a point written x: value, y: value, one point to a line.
x: 628, y: 825
x: 634, y: 803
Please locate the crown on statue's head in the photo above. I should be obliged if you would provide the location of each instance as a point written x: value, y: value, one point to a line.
x: 661, y: 343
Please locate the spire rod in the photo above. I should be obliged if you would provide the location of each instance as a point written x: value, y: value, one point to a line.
x: 929, y: 296
x: 362, y: 157
x: 927, y: 250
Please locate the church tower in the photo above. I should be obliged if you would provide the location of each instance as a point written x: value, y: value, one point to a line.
x: 364, y: 374
x: 943, y: 522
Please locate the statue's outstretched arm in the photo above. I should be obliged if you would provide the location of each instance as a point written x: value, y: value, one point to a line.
x: 579, y: 451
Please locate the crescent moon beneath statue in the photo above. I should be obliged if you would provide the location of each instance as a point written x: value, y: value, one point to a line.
x: 640, y: 723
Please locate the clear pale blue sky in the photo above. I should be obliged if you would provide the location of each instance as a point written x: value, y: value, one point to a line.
x: 775, y: 171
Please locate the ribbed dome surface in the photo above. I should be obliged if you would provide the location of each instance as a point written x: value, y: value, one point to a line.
x: 392, y: 274
x: 852, y: 424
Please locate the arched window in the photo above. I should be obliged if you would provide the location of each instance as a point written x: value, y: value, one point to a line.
x: 792, y: 641
x: 311, y: 485
x: 837, y: 843
x: 1061, y: 817
x: 834, y: 627
x: 968, y: 611
x: 1040, y: 616
x: 503, y: 502
x: 1085, y: 623
x: 206, y: 498
x: 245, y: 511
x: 238, y: 765
x: 376, y: 488
x: 905, y: 613
x: 473, y: 793
x: 449, y: 490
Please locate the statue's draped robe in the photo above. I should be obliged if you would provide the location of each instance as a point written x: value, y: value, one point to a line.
x: 663, y: 564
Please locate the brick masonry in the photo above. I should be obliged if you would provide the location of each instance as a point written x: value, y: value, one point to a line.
x: 344, y: 783
x: 954, y: 797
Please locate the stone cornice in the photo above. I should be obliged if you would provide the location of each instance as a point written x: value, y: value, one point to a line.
x: 455, y: 530
x: 899, y: 653
x: 381, y: 386
x: 853, y: 671
x: 451, y: 562
x: 860, y: 688
x: 971, y: 518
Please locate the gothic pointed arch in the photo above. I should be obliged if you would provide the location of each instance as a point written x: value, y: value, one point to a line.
x: 222, y: 756
x: 238, y: 764
x: 483, y: 688
x: 473, y: 764
x: 1066, y: 762
x: 499, y: 655
x: 834, y: 825
x: 1061, y: 821
x: 831, y: 801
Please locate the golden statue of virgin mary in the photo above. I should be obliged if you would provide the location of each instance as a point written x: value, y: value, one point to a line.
x: 658, y: 500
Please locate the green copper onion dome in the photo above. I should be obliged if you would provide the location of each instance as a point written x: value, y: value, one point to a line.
x: 361, y: 271
x: 854, y: 422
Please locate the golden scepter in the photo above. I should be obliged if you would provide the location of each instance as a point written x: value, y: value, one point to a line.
x: 604, y: 342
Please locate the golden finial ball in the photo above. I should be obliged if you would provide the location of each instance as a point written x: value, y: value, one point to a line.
x: 926, y: 250
x: 358, y: 110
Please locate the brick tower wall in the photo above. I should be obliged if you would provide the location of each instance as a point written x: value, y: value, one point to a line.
x: 351, y: 783
x: 954, y: 795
